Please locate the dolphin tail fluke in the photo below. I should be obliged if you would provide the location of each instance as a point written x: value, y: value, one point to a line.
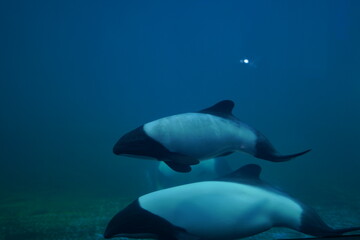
x: 340, y: 231
x: 283, y: 158
x: 265, y: 150
x: 335, y: 237
x: 337, y: 233
x: 313, y: 225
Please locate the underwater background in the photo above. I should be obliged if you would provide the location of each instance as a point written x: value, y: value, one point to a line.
x: 76, y: 75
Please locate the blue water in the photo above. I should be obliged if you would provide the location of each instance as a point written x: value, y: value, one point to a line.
x: 76, y: 75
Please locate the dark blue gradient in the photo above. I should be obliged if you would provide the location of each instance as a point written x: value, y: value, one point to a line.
x: 76, y: 75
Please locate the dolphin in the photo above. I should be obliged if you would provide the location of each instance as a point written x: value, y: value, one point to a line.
x: 184, y: 139
x: 236, y: 206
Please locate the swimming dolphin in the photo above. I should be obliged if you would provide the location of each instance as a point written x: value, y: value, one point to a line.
x: 236, y: 206
x: 185, y: 139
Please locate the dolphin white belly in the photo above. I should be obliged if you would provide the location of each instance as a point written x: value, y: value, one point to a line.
x: 216, y: 210
x: 201, y: 135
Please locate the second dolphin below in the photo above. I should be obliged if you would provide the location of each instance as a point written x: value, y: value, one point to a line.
x: 184, y: 139
x: 236, y: 206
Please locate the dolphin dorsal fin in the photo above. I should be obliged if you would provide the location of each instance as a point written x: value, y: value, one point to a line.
x: 247, y: 172
x: 222, y: 108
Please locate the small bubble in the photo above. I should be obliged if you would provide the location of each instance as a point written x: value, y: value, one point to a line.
x: 249, y: 62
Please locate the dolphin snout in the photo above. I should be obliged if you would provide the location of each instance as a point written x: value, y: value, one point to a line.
x: 118, y: 148
x: 131, y: 143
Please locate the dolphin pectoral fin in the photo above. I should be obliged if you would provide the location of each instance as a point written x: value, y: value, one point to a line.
x: 179, y: 162
x: 178, y: 167
x: 181, y: 159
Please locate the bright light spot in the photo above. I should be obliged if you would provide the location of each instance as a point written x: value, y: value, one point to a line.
x: 245, y: 60
x: 249, y: 62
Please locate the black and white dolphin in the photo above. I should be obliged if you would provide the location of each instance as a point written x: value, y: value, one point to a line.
x: 237, y: 206
x: 185, y: 139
